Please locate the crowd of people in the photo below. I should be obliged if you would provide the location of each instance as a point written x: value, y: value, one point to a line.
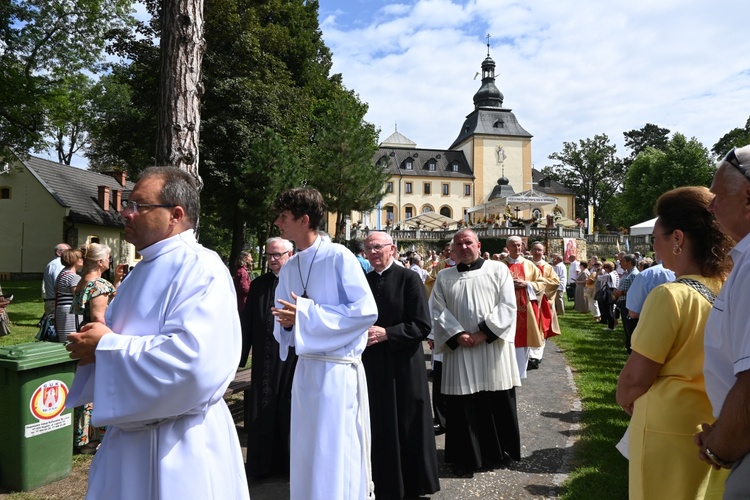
x: 340, y: 399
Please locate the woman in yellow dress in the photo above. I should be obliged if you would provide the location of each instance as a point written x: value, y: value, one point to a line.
x: 662, y: 385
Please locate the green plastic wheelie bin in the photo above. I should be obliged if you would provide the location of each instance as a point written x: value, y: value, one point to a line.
x: 36, y: 427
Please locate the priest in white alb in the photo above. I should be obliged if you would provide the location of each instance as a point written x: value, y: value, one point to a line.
x: 157, y: 371
x: 473, y: 309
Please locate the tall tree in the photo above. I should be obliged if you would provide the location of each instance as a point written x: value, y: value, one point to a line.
x: 682, y: 163
x: 345, y: 174
x: 737, y: 137
x: 650, y: 136
x: 69, y: 114
x: 43, y: 42
x: 180, y: 86
x: 592, y: 170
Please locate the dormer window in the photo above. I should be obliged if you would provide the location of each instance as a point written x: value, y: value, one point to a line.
x: 454, y: 167
x: 431, y: 165
x: 409, y: 165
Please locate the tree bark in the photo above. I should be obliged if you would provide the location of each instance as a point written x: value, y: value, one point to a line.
x: 182, y: 46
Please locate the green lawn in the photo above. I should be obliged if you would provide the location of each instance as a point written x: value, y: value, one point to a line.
x: 24, y: 312
x: 596, y: 358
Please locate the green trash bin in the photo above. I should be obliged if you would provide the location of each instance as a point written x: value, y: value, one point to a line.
x: 36, y: 428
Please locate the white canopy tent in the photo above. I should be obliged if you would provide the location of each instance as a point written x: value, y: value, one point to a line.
x: 642, y: 228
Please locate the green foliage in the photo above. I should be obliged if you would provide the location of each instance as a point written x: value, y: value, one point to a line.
x: 592, y: 170
x: 43, y: 43
x: 596, y: 358
x: 654, y: 172
x: 736, y: 137
x: 343, y: 149
x: 650, y: 136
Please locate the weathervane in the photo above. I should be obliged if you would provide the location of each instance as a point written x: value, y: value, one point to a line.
x: 488, y: 45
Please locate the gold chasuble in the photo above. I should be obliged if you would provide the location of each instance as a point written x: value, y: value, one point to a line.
x: 528, y: 331
x: 548, y: 322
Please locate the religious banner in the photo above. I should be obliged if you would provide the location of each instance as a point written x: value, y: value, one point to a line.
x: 569, y: 244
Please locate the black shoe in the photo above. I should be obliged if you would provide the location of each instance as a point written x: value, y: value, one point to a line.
x: 463, y: 472
x: 439, y: 429
x: 533, y: 364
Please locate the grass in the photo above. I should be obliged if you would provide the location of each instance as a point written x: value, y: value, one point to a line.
x: 596, y: 358
x: 24, y: 312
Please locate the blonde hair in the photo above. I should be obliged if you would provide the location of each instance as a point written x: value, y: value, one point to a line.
x: 92, y: 254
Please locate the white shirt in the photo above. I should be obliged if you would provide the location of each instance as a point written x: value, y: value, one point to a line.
x: 727, y: 335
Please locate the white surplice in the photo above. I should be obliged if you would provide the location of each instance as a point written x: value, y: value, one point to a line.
x: 158, y: 381
x: 459, y: 303
x: 330, y: 419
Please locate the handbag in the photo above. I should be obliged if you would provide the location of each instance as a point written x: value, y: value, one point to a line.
x: 47, y: 331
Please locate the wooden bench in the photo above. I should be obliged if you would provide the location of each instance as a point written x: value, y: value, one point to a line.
x: 241, y: 382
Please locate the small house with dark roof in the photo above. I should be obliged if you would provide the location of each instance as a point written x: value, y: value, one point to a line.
x: 43, y: 203
x: 490, y: 159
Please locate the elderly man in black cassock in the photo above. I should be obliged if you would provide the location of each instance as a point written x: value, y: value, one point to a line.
x: 271, y: 388
x: 404, y: 460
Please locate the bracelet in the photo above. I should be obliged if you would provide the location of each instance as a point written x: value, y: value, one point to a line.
x: 718, y: 461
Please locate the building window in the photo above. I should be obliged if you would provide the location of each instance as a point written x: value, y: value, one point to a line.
x: 408, y: 212
x: 389, y: 213
x: 427, y: 189
x: 536, y: 213
x: 467, y: 189
x: 407, y: 188
x: 446, y: 212
x: 446, y: 189
x: 4, y: 193
x: 426, y: 209
x: 409, y: 165
x: 454, y: 167
x: 388, y: 187
x: 431, y: 166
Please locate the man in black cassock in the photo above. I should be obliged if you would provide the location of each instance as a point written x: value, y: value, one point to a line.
x: 404, y: 459
x: 271, y: 387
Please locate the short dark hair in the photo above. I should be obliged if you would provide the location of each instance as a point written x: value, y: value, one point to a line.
x: 357, y: 246
x: 630, y: 259
x: 180, y: 189
x: 302, y: 201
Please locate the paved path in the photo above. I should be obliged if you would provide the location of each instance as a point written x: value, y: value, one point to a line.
x: 548, y: 413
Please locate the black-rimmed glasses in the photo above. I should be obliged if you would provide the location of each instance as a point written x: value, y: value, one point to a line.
x: 376, y: 248
x: 275, y: 256
x: 133, y: 206
x: 732, y: 159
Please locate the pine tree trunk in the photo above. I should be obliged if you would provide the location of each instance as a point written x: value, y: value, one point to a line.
x: 180, y: 88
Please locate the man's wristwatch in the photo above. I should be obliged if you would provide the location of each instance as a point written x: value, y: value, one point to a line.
x: 718, y: 461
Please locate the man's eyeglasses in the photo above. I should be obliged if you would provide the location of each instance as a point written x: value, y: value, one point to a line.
x: 275, y: 256
x: 376, y: 248
x: 732, y: 159
x: 133, y: 206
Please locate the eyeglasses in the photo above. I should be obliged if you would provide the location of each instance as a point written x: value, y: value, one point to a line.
x: 133, y: 206
x: 731, y: 158
x: 275, y: 256
x: 376, y: 248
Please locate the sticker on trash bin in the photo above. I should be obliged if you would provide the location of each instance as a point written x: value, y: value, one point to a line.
x: 48, y: 400
x: 46, y: 404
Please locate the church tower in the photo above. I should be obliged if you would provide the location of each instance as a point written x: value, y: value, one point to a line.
x: 493, y: 141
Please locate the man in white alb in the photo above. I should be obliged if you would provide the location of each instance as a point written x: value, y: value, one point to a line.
x: 325, y: 307
x: 157, y: 371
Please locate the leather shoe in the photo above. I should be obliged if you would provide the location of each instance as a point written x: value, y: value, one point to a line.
x: 439, y: 429
x: 533, y: 364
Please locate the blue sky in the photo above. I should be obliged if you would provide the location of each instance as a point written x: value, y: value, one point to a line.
x: 568, y: 70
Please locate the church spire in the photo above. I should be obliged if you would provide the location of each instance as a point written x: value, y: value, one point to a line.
x: 488, y: 94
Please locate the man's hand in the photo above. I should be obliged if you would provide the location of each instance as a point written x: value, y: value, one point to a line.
x: 287, y: 314
x: 519, y: 283
x: 376, y: 335
x: 82, y: 346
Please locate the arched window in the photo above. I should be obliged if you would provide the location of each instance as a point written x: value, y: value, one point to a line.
x: 408, y: 211
x: 446, y: 211
x: 427, y: 209
x: 389, y: 213
x: 536, y: 213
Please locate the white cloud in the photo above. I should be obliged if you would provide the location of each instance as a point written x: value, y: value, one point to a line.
x: 568, y: 70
